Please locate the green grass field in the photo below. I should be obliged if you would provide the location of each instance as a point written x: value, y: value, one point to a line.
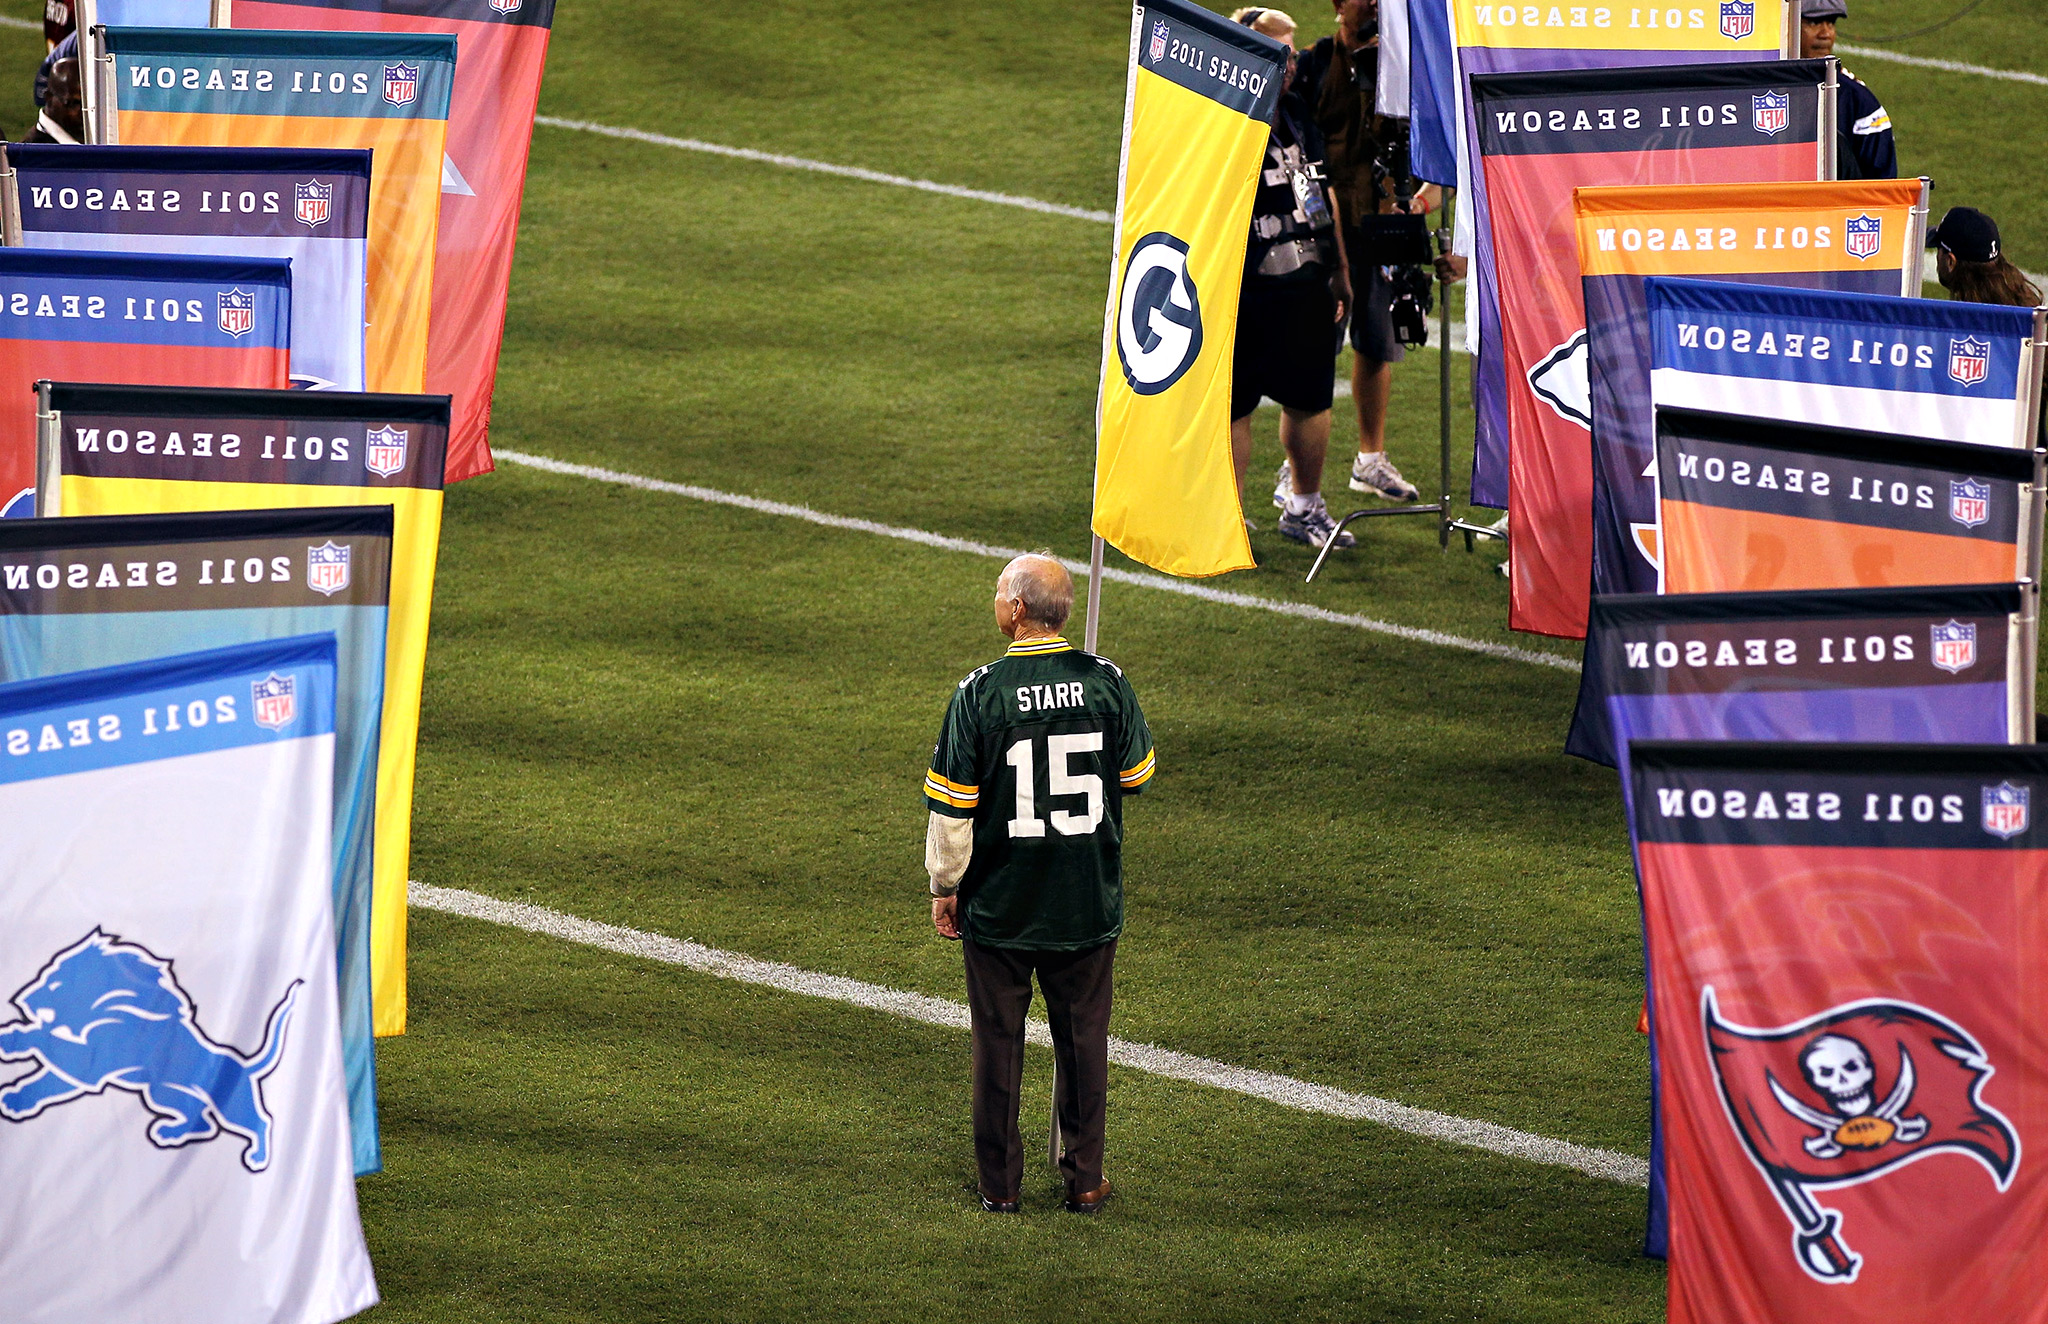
x: 1364, y: 862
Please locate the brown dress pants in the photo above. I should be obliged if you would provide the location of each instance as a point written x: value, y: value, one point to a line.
x: 1077, y: 992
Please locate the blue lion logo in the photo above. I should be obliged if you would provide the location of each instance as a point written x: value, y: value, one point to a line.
x: 104, y: 1013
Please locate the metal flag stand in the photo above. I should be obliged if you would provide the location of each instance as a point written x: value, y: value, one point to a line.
x: 1441, y: 508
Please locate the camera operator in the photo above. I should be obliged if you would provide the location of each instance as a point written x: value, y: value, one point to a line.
x: 1369, y: 174
x: 1291, y: 308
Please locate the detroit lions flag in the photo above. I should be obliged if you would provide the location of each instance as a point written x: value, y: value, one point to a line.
x: 1911, y: 367
x: 1751, y: 506
x: 504, y: 46
x: 173, y: 1124
x: 1494, y: 39
x: 1540, y: 136
x: 79, y: 593
x: 1847, y: 983
x: 387, y: 92
x: 1864, y: 235
x: 310, y: 206
x: 186, y: 321
x: 238, y: 450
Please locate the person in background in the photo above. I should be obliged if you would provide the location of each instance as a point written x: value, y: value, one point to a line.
x: 1970, y: 264
x: 1368, y: 154
x: 1290, y: 314
x: 60, y: 116
x: 60, y: 20
x: 1867, y: 149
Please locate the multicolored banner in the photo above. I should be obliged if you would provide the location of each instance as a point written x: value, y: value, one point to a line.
x: 176, y: 1138
x: 1913, y: 367
x: 1518, y: 39
x: 199, y: 87
x: 186, y: 321
x: 1863, y: 236
x: 1748, y: 507
x: 80, y: 593
x: 504, y: 46
x: 1540, y: 136
x: 1432, y: 92
x: 1197, y: 110
x: 310, y: 206
x: 129, y: 451
x: 1846, y: 953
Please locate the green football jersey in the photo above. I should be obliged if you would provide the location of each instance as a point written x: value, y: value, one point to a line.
x: 1040, y: 748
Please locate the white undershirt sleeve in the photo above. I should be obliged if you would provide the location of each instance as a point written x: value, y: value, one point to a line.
x: 948, y: 845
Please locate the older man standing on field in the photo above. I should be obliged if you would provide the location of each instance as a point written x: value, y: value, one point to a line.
x: 1024, y: 848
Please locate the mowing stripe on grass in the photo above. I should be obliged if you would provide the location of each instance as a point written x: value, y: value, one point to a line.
x: 1946, y: 66
x: 1079, y: 569
x: 1284, y: 1090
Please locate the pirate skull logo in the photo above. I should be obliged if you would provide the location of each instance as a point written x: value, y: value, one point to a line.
x: 1839, y: 1070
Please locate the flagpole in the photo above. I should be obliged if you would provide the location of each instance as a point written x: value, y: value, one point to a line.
x: 1094, y: 595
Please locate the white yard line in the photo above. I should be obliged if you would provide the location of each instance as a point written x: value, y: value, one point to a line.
x: 1946, y: 66
x: 25, y: 24
x: 1164, y: 583
x: 1286, y: 1091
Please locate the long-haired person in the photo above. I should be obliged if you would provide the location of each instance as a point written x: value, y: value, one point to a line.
x: 1972, y: 267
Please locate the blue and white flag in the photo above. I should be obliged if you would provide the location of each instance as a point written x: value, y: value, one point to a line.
x: 311, y: 206
x: 174, y: 1134
x: 1927, y: 368
x: 1432, y: 93
x: 97, y: 590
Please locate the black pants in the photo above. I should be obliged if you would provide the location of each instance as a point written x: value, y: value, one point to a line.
x: 1077, y: 993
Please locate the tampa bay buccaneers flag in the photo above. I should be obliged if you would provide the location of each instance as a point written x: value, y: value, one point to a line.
x: 1749, y: 505
x: 1197, y: 111
x: 1542, y: 135
x: 1848, y: 979
x: 504, y: 46
x: 1864, y: 235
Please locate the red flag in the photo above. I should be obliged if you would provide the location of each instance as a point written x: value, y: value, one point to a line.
x: 1847, y: 1095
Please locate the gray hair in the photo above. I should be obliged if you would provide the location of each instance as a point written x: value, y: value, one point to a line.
x: 1043, y: 585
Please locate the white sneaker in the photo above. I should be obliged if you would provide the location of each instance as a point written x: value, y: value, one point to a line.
x: 1283, y: 484
x: 1373, y: 472
x: 1314, y: 527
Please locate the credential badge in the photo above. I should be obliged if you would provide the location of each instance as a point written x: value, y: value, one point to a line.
x: 327, y: 568
x: 1969, y: 361
x: 1863, y: 235
x: 2005, y: 810
x: 313, y: 202
x: 237, y: 311
x: 401, y: 83
x: 1157, y: 50
x: 275, y: 700
x: 1738, y: 18
x: 1969, y: 501
x: 1770, y: 112
x: 1954, y: 646
x: 384, y: 450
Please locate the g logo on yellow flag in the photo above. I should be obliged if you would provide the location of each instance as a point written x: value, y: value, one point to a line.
x: 1198, y: 111
x: 1159, y: 327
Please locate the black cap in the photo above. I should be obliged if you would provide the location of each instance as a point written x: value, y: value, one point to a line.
x: 1813, y: 11
x: 1967, y: 233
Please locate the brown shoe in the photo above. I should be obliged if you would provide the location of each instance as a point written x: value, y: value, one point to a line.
x: 1088, y: 1202
x: 1010, y: 1206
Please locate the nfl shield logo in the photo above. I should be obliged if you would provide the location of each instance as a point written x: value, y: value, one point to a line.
x: 327, y: 568
x: 237, y: 311
x: 401, y: 83
x: 1955, y: 646
x: 1969, y: 501
x: 1771, y: 112
x: 1738, y: 19
x: 384, y: 451
x: 1969, y: 361
x: 2005, y: 810
x: 1158, y: 47
x: 314, y: 202
x: 276, y: 705
x: 1863, y: 235
x: 505, y: 6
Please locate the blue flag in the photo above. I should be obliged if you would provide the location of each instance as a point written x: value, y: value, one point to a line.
x: 1432, y: 89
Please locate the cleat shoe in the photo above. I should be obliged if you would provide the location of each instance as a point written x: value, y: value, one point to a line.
x: 1314, y: 527
x: 1373, y: 472
x: 1283, y: 485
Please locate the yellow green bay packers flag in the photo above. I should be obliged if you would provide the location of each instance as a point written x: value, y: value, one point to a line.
x: 1197, y: 108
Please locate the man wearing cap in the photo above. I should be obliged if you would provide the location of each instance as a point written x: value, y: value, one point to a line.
x: 1867, y: 149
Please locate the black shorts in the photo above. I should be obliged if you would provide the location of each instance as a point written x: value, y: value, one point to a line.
x: 1287, y: 338
x: 1372, y: 322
